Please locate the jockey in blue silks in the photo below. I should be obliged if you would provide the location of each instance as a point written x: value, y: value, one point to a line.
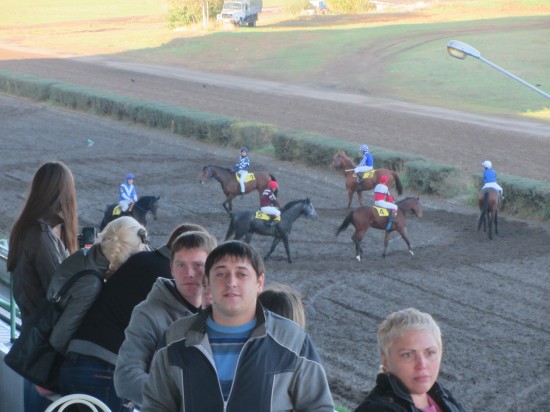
x: 366, y: 164
x: 490, y: 178
x: 241, y: 168
x: 127, y: 193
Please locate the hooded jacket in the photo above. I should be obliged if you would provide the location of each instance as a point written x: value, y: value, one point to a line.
x: 145, y: 335
x: 278, y: 370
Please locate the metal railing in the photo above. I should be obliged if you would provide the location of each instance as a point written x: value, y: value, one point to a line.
x: 9, y: 306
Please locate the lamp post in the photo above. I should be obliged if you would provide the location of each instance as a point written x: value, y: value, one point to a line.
x: 462, y: 50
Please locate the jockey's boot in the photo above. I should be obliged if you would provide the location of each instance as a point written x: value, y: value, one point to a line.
x: 242, y: 195
x: 390, y: 220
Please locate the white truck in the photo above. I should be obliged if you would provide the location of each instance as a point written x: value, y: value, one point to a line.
x: 240, y: 12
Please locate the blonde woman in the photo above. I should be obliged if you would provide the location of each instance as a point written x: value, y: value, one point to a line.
x: 117, y: 242
x: 410, y: 350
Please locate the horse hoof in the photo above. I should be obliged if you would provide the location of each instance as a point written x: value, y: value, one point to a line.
x: 411, y: 252
x: 358, y: 258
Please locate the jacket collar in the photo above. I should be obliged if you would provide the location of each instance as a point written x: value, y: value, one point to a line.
x: 197, y: 331
x: 436, y: 391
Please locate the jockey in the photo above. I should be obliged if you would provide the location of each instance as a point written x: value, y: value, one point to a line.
x: 383, y: 198
x: 127, y: 193
x: 366, y: 164
x: 269, y: 203
x: 241, y: 168
x: 490, y: 178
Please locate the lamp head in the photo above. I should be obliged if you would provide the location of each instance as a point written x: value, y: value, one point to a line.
x: 461, y: 50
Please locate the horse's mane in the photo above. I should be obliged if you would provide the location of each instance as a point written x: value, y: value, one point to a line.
x: 219, y: 167
x: 407, y: 199
x: 292, y: 203
x: 344, y: 156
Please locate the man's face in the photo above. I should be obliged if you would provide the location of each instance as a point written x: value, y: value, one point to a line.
x: 131, y: 181
x: 234, y: 286
x: 243, y: 153
x: 187, y: 269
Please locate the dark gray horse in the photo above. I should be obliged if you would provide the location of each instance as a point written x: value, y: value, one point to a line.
x: 245, y: 224
x: 144, y: 205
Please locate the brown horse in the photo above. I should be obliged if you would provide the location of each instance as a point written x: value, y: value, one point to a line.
x: 230, y: 186
x: 488, y: 201
x: 366, y: 216
x: 343, y: 162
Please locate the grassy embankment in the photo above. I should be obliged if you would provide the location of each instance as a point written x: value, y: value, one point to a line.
x: 395, y: 55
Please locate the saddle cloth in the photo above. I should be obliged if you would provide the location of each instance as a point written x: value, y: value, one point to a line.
x: 117, y: 211
x: 264, y: 216
x: 382, y: 211
x: 367, y: 175
x: 249, y: 177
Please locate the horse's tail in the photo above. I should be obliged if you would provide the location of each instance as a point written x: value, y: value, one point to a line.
x: 345, y: 223
x: 484, y: 209
x: 231, y: 228
x: 398, y: 184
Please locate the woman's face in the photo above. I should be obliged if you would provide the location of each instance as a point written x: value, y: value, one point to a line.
x: 414, y: 358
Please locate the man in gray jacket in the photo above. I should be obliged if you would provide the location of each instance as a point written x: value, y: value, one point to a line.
x: 236, y: 356
x: 169, y: 300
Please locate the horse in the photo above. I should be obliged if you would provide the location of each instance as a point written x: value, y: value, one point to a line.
x: 342, y: 161
x: 488, y: 201
x: 366, y: 216
x: 144, y: 205
x: 230, y: 186
x: 245, y: 224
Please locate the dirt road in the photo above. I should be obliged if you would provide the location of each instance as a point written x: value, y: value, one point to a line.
x: 490, y: 297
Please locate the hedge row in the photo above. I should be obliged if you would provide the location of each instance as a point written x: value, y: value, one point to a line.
x: 523, y: 197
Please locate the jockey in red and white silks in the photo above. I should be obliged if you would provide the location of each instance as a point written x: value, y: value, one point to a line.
x: 382, y: 196
x: 268, y: 202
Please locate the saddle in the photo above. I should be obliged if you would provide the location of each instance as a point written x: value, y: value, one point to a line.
x: 366, y: 175
x: 382, y: 211
x: 265, y: 217
x: 249, y: 177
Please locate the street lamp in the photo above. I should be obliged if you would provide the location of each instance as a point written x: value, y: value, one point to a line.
x: 461, y: 50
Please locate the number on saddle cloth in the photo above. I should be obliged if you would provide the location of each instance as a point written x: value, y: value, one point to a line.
x: 264, y: 216
x: 382, y: 211
x: 117, y: 211
x: 249, y: 177
x: 366, y: 175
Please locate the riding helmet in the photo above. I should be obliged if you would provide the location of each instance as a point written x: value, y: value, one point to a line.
x: 384, y: 179
x: 487, y: 164
x: 244, y: 149
x: 129, y: 176
x: 273, y: 184
x: 364, y: 148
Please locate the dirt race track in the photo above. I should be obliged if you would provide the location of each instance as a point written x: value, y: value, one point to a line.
x: 490, y: 297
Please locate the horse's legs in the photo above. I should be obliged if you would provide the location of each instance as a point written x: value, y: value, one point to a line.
x: 490, y: 219
x: 403, y: 233
x: 496, y: 222
x: 276, y: 241
x: 248, y: 237
x: 360, y: 198
x: 350, y: 198
x: 357, y: 237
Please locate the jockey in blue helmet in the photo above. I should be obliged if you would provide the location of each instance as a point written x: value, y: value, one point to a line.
x: 490, y: 178
x: 127, y: 193
x: 366, y: 164
x: 241, y: 168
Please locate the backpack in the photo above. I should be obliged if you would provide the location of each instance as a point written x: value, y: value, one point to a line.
x: 32, y: 355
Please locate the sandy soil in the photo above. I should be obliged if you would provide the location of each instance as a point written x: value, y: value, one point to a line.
x: 490, y: 297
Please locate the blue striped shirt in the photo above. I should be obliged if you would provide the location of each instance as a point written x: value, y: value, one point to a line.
x: 226, y: 343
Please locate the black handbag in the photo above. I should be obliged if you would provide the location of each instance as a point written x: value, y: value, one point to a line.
x: 31, y: 355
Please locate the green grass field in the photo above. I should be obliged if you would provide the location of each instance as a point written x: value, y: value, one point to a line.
x: 401, y: 56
